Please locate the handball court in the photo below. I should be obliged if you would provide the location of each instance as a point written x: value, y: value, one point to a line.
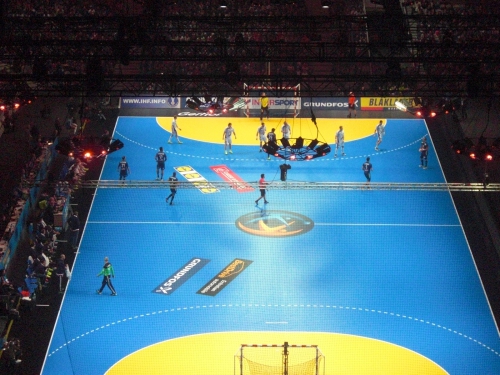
x: 383, y: 281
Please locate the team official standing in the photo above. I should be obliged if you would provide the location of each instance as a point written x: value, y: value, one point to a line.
x: 352, y: 105
x: 61, y: 271
x: 174, y: 131
x: 227, y: 136
x: 379, y: 133
x: 261, y: 135
x: 339, y: 141
x: 107, y: 272
x: 173, y: 187
x: 74, y: 227
x: 424, y: 153
x: 161, y: 158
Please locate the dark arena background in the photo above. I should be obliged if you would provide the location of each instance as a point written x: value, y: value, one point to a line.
x: 344, y: 223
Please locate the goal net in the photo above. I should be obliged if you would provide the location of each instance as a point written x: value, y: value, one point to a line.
x: 279, y: 360
x: 284, y: 99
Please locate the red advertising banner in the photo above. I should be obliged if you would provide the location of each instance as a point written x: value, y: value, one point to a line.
x: 229, y: 176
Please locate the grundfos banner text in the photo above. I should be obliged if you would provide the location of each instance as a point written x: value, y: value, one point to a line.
x: 327, y: 103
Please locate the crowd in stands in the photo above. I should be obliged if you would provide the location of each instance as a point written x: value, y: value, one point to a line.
x: 43, y: 237
x: 436, y: 31
x: 459, y: 35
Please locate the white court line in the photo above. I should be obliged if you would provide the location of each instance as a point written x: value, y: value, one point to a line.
x: 153, y: 314
x: 232, y: 223
x: 274, y: 159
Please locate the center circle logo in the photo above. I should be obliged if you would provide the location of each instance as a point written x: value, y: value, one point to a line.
x: 274, y: 223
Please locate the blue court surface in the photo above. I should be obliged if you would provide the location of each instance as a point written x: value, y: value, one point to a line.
x: 383, y: 281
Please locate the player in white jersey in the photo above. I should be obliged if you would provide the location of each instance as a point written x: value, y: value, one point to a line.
x: 286, y: 130
x: 175, y: 129
x: 379, y: 133
x: 227, y: 136
x: 261, y: 135
x: 339, y: 141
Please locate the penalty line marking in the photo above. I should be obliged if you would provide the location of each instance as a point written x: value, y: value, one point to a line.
x: 365, y: 310
x: 275, y: 159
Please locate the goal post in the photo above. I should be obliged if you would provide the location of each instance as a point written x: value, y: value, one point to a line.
x: 284, y: 359
x: 283, y: 97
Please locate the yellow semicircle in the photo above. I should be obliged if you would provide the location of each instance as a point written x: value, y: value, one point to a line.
x: 217, y: 354
x: 210, y: 129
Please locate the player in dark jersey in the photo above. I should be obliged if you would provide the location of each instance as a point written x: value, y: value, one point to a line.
x: 367, y: 169
x: 271, y: 137
x: 123, y: 168
x: 161, y: 158
x: 424, y: 152
x: 173, y: 187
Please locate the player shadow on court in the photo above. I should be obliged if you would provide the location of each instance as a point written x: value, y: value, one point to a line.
x: 263, y: 211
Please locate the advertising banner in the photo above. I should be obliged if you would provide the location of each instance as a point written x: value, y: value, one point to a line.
x: 275, y: 103
x: 327, y: 103
x: 148, y: 102
x: 385, y: 104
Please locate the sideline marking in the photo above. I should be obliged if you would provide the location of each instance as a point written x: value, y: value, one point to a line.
x: 323, y: 224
